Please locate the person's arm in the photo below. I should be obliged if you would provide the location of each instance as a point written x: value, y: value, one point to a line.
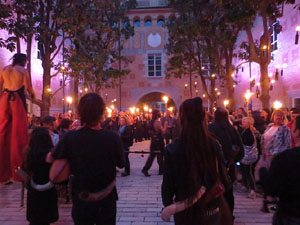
x: 286, y: 139
x: 27, y: 85
x: 1, y: 83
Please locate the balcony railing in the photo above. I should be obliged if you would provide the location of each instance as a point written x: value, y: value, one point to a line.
x: 151, y: 3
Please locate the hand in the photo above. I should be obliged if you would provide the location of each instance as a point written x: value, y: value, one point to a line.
x: 167, y: 212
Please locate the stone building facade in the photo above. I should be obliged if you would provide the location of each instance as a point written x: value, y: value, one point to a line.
x: 146, y: 51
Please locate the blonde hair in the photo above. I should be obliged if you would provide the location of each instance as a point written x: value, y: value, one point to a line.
x: 278, y: 111
x: 249, y: 119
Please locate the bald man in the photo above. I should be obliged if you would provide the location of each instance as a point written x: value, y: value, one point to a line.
x: 14, y: 79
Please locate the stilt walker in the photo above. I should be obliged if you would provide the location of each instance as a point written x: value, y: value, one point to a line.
x: 14, y: 79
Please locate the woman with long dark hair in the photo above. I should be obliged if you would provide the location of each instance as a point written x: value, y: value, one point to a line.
x: 190, y: 164
x: 41, y: 196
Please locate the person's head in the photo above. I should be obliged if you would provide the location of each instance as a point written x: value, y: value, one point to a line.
x: 241, y: 110
x: 156, y: 114
x: 114, y: 114
x: 265, y: 113
x: 278, y: 117
x: 122, y: 121
x: 294, y: 113
x: 90, y: 109
x: 49, y: 122
x: 221, y: 115
x: 39, y: 146
x: 197, y: 146
x: 247, y: 122
x: 65, y: 124
x: 19, y: 59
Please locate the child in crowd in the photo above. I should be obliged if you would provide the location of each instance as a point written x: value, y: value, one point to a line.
x: 41, y: 196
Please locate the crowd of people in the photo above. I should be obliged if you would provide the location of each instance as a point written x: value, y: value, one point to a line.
x: 201, y: 156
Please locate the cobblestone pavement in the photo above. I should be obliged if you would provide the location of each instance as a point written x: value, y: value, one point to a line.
x: 139, y: 200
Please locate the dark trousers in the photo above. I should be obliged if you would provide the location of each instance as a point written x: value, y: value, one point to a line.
x: 94, y: 213
x: 127, y: 163
x: 248, y: 179
x: 228, y: 195
x: 151, y: 159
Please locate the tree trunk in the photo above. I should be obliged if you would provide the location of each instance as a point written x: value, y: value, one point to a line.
x: 28, y: 52
x: 17, y: 35
x: 45, y: 109
x: 75, y: 92
x: 229, y: 83
x: 264, y: 84
x: 213, y: 95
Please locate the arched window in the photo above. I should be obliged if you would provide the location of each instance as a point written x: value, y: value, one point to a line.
x: 137, y: 23
x: 148, y: 22
x: 160, y: 21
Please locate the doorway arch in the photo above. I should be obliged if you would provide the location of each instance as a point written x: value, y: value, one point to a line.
x: 154, y: 100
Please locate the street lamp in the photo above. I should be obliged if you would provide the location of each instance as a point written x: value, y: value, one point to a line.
x: 165, y: 99
x: 226, y: 103
x: 248, y: 95
x: 277, y: 105
x: 146, y: 108
x: 69, y: 101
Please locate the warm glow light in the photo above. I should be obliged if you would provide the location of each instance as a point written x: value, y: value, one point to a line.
x: 248, y: 95
x: 226, y: 103
x: 69, y: 100
x: 186, y: 85
x: 258, y: 84
x: 80, y: 91
x: 216, y: 89
x: 146, y: 108
x: 112, y: 106
x: 272, y: 81
x: 203, y: 95
x: 86, y: 89
x: 213, y: 75
x: 132, y: 109
x: 195, y: 83
x: 233, y: 75
x: 137, y: 109
x: 265, y: 47
x: 171, y: 109
x: 165, y: 99
x: 298, y: 28
x: 62, y: 68
x: 150, y: 110
x: 234, y: 85
x: 270, y: 74
x: 219, y: 93
x: 115, y: 100
x: 203, y: 67
x: 277, y: 105
x: 49, y: 90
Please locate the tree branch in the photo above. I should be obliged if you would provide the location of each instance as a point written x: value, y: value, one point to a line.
x: 253, y: 56
x: 58, y: 49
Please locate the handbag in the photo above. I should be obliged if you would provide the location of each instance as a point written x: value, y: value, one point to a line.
x: 216, y: 191
x: 250, y: 153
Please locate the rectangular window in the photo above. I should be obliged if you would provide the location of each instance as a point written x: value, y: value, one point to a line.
x: 154, y: 65
x: 274, y: 36
x: 297, y: 103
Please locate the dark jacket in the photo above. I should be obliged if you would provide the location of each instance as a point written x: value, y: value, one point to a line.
x: 228, y: 137
x: 127, y: 137
x: 283, y: 181
x: 174, y: 183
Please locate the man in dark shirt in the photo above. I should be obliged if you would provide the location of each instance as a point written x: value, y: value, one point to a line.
x: 93, y: 155
x: 283, y: 181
